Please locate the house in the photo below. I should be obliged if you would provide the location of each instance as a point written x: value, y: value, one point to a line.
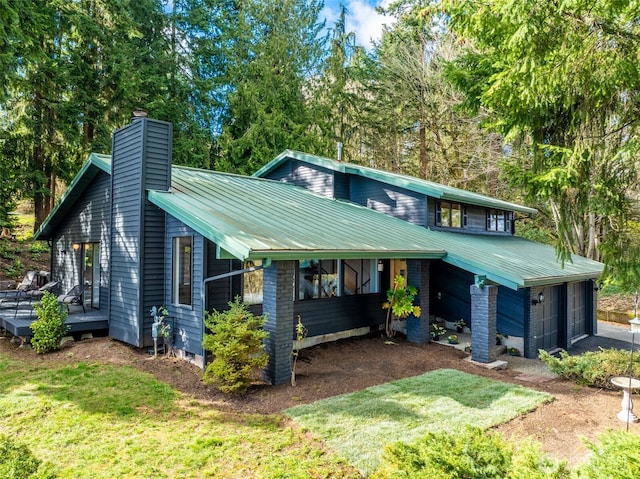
x: 304, y: 236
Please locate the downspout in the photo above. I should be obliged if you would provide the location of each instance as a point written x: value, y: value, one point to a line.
x: 265, y: 264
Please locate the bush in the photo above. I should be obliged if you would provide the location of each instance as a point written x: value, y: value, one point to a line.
x: 617, y: 455
x: 236, y: 341
x: 472, y: 454
x: 18, y: 462
x: 49, y: 328
x: 593, y: 368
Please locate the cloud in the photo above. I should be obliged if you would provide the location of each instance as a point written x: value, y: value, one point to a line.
x: 362, y: 18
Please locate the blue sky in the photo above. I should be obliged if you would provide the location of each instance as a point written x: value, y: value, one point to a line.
x: 362, y: 19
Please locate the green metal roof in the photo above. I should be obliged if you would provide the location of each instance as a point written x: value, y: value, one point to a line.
x: 410, y: 183
x: 513, y: 261
x: 254, y: 218
x: 83, y: 178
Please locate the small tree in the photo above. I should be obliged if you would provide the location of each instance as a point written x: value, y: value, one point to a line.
x: 49, y: 328
x: 237, y: 343
x: 400, y: 302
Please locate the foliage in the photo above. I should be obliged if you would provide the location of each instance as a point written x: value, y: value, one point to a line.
x: 237, y: 343
x: 50, y: 326
x: 18, y: 462
x: 270, y: 49
x: 301, y: 333
x: 471, y: 454
x: 460, y: 323
x: 437, y: 331
x: 400, y: 301
x: 617, y: 454
x: 593, y: 368
x: 557, y: 81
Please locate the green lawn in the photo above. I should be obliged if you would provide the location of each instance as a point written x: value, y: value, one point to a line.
x: 358, y: 425
x: 99, y: 421
x: 96, y: 421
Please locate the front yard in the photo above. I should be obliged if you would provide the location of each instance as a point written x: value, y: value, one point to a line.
x: 99, y: 408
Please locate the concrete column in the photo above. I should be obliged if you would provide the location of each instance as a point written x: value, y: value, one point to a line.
x: 418, y: 276
x: 484, y: 307
x: 277, y: 304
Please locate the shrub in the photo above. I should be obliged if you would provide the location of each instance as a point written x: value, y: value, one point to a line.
x: 18, y: 462
x: 472, y: 454
x: 617, y: 455
x: 49, y: 328
x: 593, y: 368
x: 236, y: 341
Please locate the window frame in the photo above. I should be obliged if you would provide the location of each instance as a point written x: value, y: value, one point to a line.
x: 179, y: 287
x: 499, y: 221
x: 449, y: 207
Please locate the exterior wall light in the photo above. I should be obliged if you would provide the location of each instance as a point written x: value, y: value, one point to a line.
x: 380, y: 266
x: 539, y: 300
x: 76, y: 246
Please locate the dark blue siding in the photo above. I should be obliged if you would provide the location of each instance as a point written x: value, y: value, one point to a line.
x: 90, y: 223
x: 341, y: 186
x: 389, y: 199
x: 450, y: 297
x: 141, y: 160
x: 187, y: 321
x: 331, y: 315
x: 511, y: 311
x: 314, y: 178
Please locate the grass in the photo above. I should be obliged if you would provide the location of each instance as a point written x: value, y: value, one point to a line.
x: 101, y: 421
x: 358, y: 425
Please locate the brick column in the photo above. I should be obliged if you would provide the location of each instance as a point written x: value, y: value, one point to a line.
x: 278, y: 306
x: 418, y: 276
x: 484, y: 302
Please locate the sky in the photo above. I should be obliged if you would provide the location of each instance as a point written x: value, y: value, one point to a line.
x: 362, y: 19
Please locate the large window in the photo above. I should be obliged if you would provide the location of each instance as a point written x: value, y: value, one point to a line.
x: 318, y: 279
x: 181, y: 271
x: 449, y: 214
x: 499, y: 220
x: 329, y: 277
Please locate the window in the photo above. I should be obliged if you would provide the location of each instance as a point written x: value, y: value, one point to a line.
x: 357, y: 276
x: 499, y: 220
x: 181, y: 271
x: 318, y: 279
x: 449, y: 214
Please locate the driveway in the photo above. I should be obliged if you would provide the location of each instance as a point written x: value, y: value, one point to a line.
x: 610, y: 335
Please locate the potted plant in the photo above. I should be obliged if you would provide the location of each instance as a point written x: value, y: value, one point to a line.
x: 400, y: 302
x: 437, y: 331
x: 460, y: 324
x: 513, y: 351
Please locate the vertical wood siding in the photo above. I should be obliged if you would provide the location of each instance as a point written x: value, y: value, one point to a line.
x: 89, y: 223
x: 141, y: 160
x: 452, y: 284
x: 390, y: 200
x: 186, y: 321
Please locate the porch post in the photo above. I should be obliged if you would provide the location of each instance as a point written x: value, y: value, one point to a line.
x: 418, y: 276
x: 278, y: 306
x: 484, y: 302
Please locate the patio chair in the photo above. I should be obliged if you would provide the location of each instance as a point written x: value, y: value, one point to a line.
x: 27, y: 283
x: 74, y: 296
x: 38, y: 293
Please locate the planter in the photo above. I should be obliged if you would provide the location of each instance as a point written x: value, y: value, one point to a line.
x: 436, y: 338
x: 460, y: 329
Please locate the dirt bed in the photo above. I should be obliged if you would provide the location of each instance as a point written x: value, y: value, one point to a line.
x: 350, y: 365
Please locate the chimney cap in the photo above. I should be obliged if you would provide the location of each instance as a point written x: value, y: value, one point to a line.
x: 139, y: 113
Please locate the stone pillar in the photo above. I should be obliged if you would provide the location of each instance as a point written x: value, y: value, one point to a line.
x: 277, y: 304
x: 418, y: 276
x: 484, y: 308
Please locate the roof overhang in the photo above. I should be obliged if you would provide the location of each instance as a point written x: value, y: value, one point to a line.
x: 94, y: 165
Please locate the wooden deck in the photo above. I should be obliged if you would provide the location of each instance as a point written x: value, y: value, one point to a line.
x: 17, y: 321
